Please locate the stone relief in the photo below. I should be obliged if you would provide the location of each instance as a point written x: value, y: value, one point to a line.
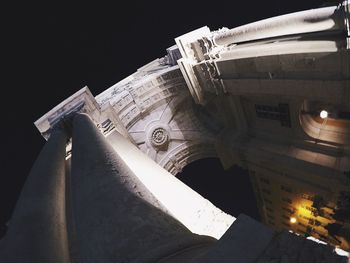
x: 169, y: 132
x: 159, y: 137
x: 155, y: 107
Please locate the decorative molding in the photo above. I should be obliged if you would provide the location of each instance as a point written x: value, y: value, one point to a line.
x: 159, y: 137
x: 81, y: 101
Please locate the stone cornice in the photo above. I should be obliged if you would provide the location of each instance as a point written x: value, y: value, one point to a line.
x: 81, y: 101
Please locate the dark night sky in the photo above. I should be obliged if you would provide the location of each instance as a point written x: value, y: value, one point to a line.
x: 51, y: 51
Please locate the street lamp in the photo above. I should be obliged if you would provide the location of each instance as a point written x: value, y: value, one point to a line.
x: 324, y: 114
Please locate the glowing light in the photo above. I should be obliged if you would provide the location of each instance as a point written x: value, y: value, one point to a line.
x: 323, y: 114
x: 293, y: 220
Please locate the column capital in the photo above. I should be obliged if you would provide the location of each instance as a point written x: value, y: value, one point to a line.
x: 60, y: 117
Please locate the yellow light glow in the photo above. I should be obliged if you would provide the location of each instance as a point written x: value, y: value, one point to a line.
x: 293, y: 220
x: 323, y: 114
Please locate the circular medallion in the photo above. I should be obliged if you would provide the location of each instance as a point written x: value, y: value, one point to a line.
x: 159, y: 137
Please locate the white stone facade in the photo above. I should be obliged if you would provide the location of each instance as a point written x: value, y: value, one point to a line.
x: 250, y: 96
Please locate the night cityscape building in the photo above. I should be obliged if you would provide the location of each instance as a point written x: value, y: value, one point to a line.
x: 272, y: 96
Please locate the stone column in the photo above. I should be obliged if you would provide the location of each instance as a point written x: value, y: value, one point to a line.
x: 116, y: 217
x: 186, y: 205
x: 37, y: 231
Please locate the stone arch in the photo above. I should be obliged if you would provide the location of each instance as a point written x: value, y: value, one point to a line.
x: 173, y: 135
x: 188, y: 153
x: 158, y: 114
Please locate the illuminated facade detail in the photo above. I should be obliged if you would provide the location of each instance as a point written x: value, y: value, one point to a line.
x: 159, y: 137
x: 277, y: 77
x: 250, y: 96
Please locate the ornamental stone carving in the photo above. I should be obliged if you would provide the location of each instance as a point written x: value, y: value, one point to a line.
x: 159, y: 137
x: 218, y: 94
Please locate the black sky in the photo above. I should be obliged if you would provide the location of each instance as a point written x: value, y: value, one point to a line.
x: 51, y: 51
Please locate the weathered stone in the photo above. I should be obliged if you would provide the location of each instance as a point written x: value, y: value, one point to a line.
x: 237, y: 244
x: 247, y: 95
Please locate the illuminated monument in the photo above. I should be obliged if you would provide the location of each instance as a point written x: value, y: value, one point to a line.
x: 272, y: 96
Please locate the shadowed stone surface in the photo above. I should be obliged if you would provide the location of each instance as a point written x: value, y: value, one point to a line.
x: 287, y: 247
x: 243, y: 242
x: 250, y: 241
x: 37, y: 231
x: 115, y: 216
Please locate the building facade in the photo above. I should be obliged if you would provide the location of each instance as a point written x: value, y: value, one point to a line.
x: 275, y: 77
x: 251, y: 96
